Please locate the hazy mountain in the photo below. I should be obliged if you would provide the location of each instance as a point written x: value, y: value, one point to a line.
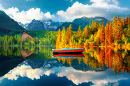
x: 85, y: 21
x: 8, y: 25
x: 82, y: 22
x: 66, y: 24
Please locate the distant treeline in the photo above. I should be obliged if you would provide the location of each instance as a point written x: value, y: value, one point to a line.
x: 45, y: 38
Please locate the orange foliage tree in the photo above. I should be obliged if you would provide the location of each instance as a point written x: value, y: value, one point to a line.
x: 102, y: 36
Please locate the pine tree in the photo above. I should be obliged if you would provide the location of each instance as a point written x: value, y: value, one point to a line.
x: 107, y: 34
x: 63, y: 38
x: 58, y: 40
x: 86, y: 32
x: 117, y: 29
x: 79, y: 32
x: 102, y: 37
x: 69, y: 33
x: 110, y: 40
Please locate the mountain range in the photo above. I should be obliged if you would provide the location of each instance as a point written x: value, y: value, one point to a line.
x: 54, y: 26
x: 43, y: 25
x: 83, y: 22
x: 10, y: 27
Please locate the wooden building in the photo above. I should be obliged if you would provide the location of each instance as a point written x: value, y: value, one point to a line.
x: 25, y: 35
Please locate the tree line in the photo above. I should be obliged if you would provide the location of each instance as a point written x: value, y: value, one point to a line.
x: 115, y: 33
x: 48, y: 39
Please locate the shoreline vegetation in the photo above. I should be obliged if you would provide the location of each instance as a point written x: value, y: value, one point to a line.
x: 115, y: 34
x: 41, y: 38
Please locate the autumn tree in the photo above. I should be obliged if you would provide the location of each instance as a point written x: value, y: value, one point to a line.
x: 86, y: 32
x: 102, y: 36
x: 117, y: 29
x: 107, y: 34
x: 79, y: 32
x: 79, y: 60
x: 58, y: 40
x: 63, y: 38
x: 69, y: 33
x: 110, y: 40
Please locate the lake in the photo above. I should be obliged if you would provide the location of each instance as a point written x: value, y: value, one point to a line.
x: 36, y: 66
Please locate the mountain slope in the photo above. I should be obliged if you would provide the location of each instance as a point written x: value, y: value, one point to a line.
x: 82, y: 22
x: 35, y: 25
x: 23, y: 25
x: 43, y: 25
x: 8, y: 25
x: 85, y: 21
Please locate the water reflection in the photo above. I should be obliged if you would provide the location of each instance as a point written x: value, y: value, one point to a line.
x: 71, y: 55
x: 94, y: 66
x: 29, y: 69
x: 25, y: 54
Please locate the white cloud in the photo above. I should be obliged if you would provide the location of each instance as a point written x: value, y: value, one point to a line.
x: 1, y: 7
x: 115, y: 2
x: 26, y: 71
x: 103, y: 8
x: 100, y: 78
x: 27, y: 16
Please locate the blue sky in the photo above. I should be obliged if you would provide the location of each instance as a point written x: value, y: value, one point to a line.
x: 45, y: 5
x: 63, y: 10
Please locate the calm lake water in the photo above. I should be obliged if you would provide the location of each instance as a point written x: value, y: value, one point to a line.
x: 36, y: 66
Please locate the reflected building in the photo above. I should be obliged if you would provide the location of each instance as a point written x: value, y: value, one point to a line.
x: 25, y: 54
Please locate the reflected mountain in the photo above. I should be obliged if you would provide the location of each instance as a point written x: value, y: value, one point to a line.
x: 81, y: 66
x: 49, y: 63
x: 8, y: 63
x: 29, y: 70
